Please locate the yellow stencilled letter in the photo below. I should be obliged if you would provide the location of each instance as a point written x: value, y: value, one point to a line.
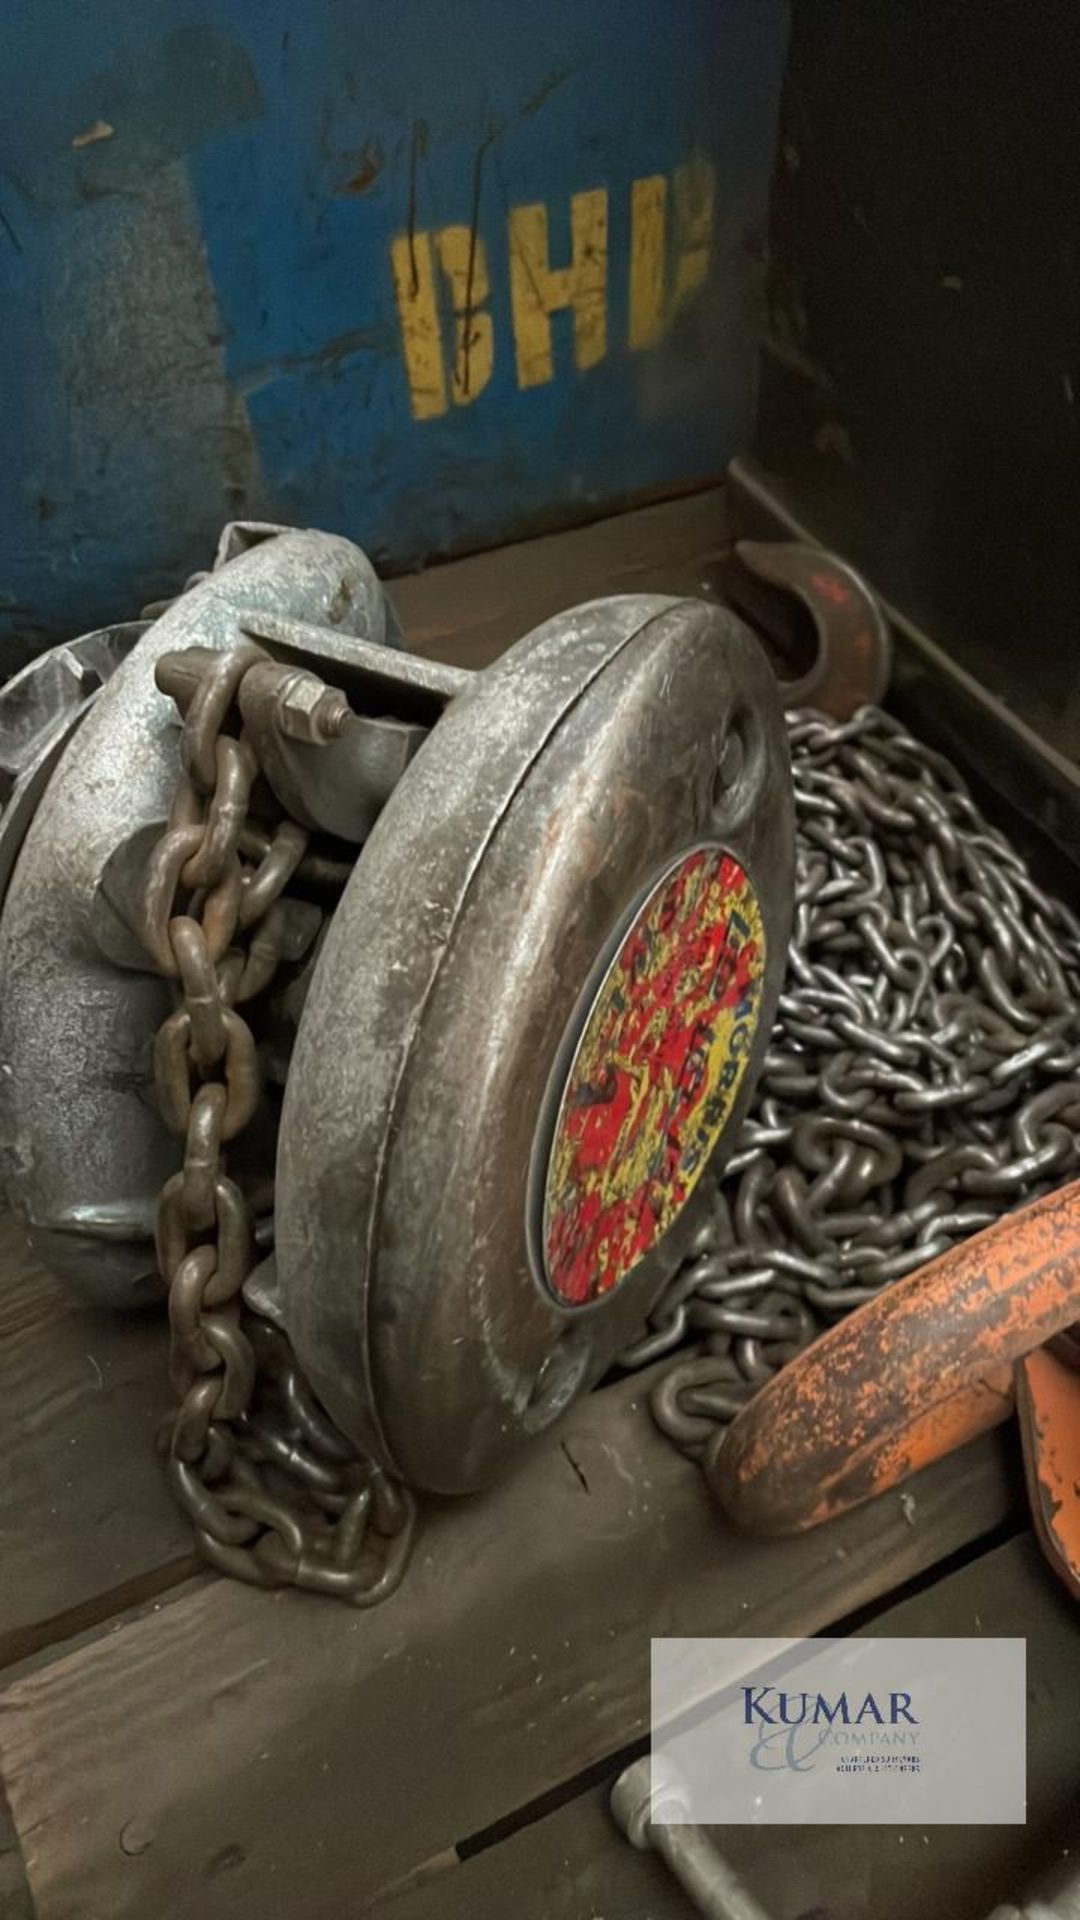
x: 652, y: 308
x: 413, y: 269
x: 464, y: 262
x: 538, y: 290
x: 648, y: 227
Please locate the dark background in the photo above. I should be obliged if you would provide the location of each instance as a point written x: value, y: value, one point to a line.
x: 920, y: 380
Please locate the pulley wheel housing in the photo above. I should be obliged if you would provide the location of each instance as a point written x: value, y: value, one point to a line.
x: 536, y: 1020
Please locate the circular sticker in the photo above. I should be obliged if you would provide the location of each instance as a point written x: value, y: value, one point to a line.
x: 654, y: 1075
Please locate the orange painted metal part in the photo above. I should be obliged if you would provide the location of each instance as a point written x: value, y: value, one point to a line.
x: 909, y: 1377
x: 1048, y: 1402
x: 854, y: 657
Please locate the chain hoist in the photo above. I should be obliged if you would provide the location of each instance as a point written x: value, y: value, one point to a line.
x: 407, y: 1009
x: 412, y: 1013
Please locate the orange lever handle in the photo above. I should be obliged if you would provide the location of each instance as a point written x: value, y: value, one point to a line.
x: 907, y: 1378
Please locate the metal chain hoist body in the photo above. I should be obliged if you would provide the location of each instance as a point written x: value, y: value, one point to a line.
x: 619, y: 777
x: 413, y: 1007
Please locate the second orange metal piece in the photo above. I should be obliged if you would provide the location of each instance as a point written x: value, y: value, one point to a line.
x: 1048, y: 1402
x: 906, y: 1379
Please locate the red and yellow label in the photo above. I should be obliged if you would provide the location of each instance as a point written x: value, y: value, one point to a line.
x: 655, y: 1074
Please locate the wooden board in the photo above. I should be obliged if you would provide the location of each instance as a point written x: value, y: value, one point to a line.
x: 14, y: 1892
x: 85, y: 1523
x: 573, y: 1863
x: 234, y: 1748
x: 470, y: 610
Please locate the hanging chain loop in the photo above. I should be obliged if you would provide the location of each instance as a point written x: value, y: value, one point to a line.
x: 275, y: 1494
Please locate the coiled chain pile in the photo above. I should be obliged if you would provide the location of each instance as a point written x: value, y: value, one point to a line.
x: 923, y: 1076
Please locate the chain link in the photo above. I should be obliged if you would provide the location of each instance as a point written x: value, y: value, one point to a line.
x: 923, y: 1076
x: 275, y: 1494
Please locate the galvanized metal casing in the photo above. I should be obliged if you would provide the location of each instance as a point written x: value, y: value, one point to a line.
x: 83, y: 1150
x: 40, y: 709
x: 540, y: 812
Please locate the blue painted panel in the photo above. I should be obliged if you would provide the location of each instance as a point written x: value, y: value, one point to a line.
x: 197, y: 227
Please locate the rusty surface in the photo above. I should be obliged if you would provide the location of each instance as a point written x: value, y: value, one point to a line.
x: 1048, y: 1402
x: 854, y: 644
x: 904, y: 1380
x: 409, y: 1243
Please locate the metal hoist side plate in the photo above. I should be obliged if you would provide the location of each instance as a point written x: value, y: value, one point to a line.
x: 592, y: 815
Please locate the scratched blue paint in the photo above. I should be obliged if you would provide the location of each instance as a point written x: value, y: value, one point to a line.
x: 198, y: 309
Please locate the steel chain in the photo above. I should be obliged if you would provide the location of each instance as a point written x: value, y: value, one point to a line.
x: 276, y: 1495
x: 923, y: 1076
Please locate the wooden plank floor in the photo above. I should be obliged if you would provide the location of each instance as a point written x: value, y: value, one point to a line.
x: 197, y: 1748
x: 83, y: 1526
x: 571, y: 1864
x: 185, y: 1762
